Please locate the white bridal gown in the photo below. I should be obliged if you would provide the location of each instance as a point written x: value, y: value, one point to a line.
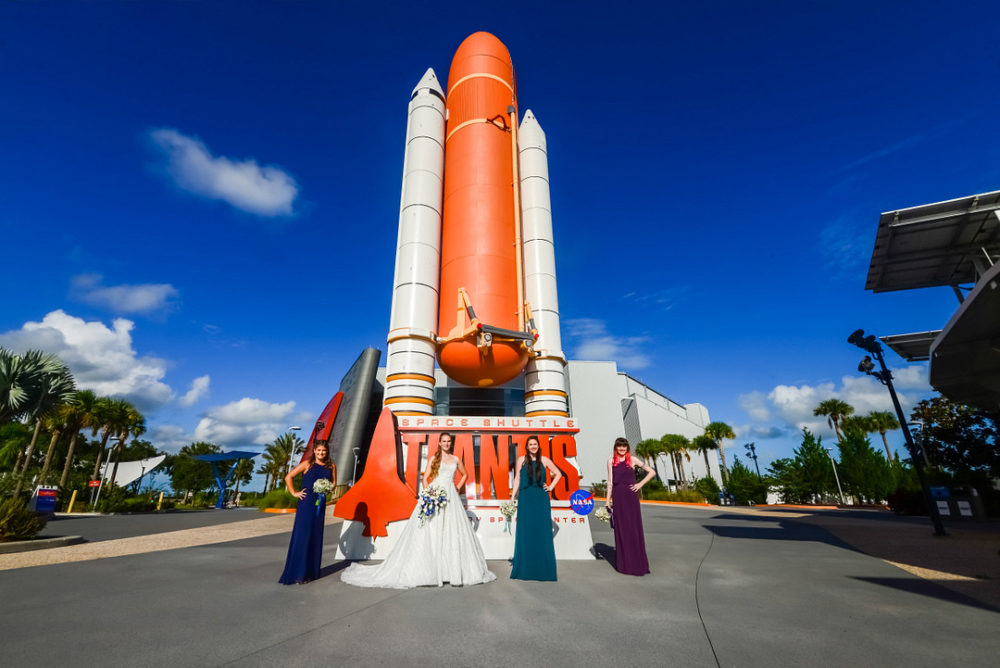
x: 444, y: 549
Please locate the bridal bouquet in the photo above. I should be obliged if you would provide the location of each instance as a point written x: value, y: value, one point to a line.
x: 507, y: 509
x: 603, y: 514
x: 432, y: 499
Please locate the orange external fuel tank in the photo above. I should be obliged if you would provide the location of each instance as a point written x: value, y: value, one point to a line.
x: 480, y: 240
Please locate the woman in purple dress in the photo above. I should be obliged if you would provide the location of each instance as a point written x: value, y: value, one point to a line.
x: 630, y: 544
x: 305, y: 549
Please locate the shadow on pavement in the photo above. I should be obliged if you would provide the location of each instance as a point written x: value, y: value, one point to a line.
x: 605, y: 552
x: 794, y: 530
x: 916, y: 585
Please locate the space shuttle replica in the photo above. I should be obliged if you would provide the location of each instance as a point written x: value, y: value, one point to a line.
x: 475, y: 293
x: 475, y: 280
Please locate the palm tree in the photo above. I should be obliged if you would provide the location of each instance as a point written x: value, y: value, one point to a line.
x: 105, y: 415
x: 672, y: 445
x: 703, y: 444
x: 648, y: 449
x: 284, y: 447
x: 134, y: 425
x: 51, y: 387
x: 55, y: 424
x: 883, y: 421
x: 718, y: 431
x: 835, y: 410
x: 78, y: 415
x: 244, y: 469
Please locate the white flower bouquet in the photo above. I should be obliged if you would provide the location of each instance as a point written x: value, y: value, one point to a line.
x: 603, y: 513
x: 507, y: 509
x: 432, y: 500
x: 323, y: 486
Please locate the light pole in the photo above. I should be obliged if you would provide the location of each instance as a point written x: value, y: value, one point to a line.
x: 829, y: 453
x: 871, y: 345
x: 118, y: 440
x: 752, y: 454
x: 291, y: 451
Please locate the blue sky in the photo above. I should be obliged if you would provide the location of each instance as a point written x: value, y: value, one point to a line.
x: 199, y: 200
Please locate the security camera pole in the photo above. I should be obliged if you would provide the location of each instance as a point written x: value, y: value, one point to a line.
x: 870, y: 344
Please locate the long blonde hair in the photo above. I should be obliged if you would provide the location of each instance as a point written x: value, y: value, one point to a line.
x: 436, y: 459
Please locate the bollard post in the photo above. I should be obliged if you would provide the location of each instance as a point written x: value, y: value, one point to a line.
x: 159, y: 503
x: 72, y: 500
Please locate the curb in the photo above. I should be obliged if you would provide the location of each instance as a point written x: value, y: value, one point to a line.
x: 39, y: 544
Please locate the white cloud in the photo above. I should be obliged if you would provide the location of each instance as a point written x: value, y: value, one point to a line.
x: 142, y: 298
x: 792, y: 405
x: 594, y: 342
x: 247, y: 422
x: 101, y: 359
x: 261, y: 190
x: 199, y: 388
x: 169, y: 437
x: 755, y: 404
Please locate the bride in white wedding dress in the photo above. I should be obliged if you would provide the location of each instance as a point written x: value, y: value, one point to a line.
x: 444, y: 549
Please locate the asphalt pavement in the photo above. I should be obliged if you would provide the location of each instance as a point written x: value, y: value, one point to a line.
x: 727, y: 589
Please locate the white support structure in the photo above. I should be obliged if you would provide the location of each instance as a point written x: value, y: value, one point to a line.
x: 545, y: 378
x: 409, y: 387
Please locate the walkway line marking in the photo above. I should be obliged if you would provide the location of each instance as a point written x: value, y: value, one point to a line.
x: 170, y: 540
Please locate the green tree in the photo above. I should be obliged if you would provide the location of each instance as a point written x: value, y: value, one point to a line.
x: 649, y: 449
x: 52, y: 386
x: 883, y: 421
x: 703, y: 444
x: 134, y: 425
x: 807, y: 476
x: 243, y: 473
x: 78, y: 415
x: 674, y: 445
x: 835, y: 410
x: 864, y: 473
x: 745, y: 485
x: 189, y: 475
x: 718, y: 432
x: 959, y: 438
x: 282, y: 450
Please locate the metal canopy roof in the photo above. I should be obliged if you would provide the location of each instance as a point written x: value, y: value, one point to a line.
x: 914, y: 347
x: 935, y: 244
x: 965, y: 356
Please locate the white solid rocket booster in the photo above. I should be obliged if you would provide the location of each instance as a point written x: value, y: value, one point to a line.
x: 409, y: 387
x: 544, y: 380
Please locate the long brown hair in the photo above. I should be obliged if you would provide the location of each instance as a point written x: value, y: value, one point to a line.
x: 533, y: 463
x: 313, y: 461
x: 436, y: 459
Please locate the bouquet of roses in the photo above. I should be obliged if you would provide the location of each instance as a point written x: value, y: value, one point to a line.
x: 603, y: 513
x: 507, y: 509
x: 432, y: 499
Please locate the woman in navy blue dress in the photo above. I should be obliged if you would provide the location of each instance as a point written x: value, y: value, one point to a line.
x: 305, y: 550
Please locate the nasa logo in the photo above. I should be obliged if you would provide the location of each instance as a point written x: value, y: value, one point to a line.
x: 582, y: 502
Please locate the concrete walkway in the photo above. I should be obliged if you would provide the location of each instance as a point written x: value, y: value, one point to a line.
x: 729, y: 588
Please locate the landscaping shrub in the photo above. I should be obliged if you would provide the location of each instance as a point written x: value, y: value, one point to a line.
x: 277, y: 498
x: 709, y: 489
x: 599, y: 488
x: 17, y: 522
x: 684, y: 495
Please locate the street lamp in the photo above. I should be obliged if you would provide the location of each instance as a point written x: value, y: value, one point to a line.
x: 871, y: 345
x: 291, y: 450
x: 752, y: 454
x: 840, y: 490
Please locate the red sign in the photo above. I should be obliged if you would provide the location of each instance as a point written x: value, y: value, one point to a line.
x: 48, y: 492
x: 493, y: 444
x: 94, y: 483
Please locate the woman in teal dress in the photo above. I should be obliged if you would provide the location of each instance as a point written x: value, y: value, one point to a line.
x: 534, y: 552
